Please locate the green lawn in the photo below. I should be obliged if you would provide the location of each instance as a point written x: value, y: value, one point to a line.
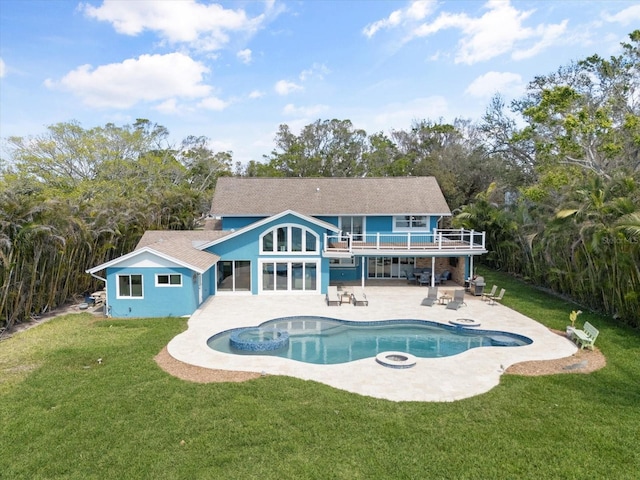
x: 64, y: 415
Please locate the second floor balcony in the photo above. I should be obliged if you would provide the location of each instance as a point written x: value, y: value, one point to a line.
x: 440, y: 241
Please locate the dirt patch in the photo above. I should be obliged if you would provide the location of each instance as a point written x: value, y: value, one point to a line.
x: 583, y: 361
x: 195, y: 374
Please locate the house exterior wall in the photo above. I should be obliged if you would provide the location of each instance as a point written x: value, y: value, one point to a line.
x: 165, y: 301
x: 236, y: 223
x: 378, y: 224
x: 246, y: 246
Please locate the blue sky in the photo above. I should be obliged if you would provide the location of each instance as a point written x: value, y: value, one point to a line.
x: 235, y: 71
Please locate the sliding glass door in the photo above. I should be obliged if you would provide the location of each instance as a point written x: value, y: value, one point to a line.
x: 234, y: 276
x: 289, y: 276
x: 389, y: 267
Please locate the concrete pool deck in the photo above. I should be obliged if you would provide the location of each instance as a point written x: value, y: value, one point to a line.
x: 432, y: 379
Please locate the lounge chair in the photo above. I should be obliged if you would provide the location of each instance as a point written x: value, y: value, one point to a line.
x: 359, y: 298
x: 458, y: 300
x: 486, y: 296
x: 493, y: 299
x: 333, y: 297
x: 431, y: 298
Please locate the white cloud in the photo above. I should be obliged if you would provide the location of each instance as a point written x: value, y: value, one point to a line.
x: 549, y: 36
x: 625, y: 17
x: 308, y: 111
x: 213, y: 103
x: 318, y: 70
x: 256, y: 94
x: 205, y: 27
x: 487, y: 85
x: 245, y: 56
x: 416, y: 11
x: 500, y: 30
x: 168, y: 107
x: 284, y: 87
x: 3, y: 68
x: 149, y: 78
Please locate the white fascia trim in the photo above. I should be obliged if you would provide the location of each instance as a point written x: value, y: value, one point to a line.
x: 264, y: 221
x: 135, y: 253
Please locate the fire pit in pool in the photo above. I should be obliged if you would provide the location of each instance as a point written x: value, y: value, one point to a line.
x: 396, y: 359
x: 259, y: 339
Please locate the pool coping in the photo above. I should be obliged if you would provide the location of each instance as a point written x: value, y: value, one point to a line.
x: 467, y: 374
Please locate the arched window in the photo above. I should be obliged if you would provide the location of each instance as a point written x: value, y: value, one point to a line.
x: 289, y: 239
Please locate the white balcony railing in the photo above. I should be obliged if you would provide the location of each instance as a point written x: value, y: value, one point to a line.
x: 438, y: 240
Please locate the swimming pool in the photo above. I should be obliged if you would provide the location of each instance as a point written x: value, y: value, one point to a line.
x: 327, y: 341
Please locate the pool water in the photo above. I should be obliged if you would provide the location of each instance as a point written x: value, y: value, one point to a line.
x: 328, y: 341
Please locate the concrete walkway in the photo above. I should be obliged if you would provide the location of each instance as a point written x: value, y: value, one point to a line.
x: 432, y: 379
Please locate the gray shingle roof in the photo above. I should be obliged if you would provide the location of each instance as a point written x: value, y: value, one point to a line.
x: 182, y: 245
x: 329, y: 196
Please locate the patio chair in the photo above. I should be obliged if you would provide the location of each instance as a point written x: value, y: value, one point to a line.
x: 411, y: 276
x: 444, y: 276
x: 493, y: 299
x: 458, y: 300
x: 486, y: 296
x: 333, y: 297
x: 431, y: 298
x: 425, y: 279
x: 359, y: 298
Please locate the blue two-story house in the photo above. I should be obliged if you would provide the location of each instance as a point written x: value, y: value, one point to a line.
x: 274, y: 236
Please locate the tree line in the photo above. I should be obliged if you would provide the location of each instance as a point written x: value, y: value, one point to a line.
x: 552, y: 178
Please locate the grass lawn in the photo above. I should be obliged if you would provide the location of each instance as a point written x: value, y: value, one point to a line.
x: 64, y: 415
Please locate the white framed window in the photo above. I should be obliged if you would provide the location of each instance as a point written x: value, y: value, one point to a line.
x: 289, y: 275
x: 355, y: 225
x: 289, y: 239
x: 404, y: 223
x: 343, y: 262
x: 130, y: 286
x: 168, y: 280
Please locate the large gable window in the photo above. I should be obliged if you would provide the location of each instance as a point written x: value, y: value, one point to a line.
x: 289, y: 239
x: 130, y: 286
x: 411, y: 222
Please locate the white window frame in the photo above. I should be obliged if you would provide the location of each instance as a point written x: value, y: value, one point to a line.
x: 364, y: 224
x: 411, y: 228
x: 343, y: 262
x: 168, y: 284
x: 289, y: 261
x: 288, y: 251
x: 129, y: 297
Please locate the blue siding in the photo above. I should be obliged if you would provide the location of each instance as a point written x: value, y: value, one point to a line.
x: 236, y: 223
x: 156, y: 301
x: 382, y: 224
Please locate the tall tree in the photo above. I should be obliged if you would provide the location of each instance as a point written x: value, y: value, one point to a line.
x: 329, y: 148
